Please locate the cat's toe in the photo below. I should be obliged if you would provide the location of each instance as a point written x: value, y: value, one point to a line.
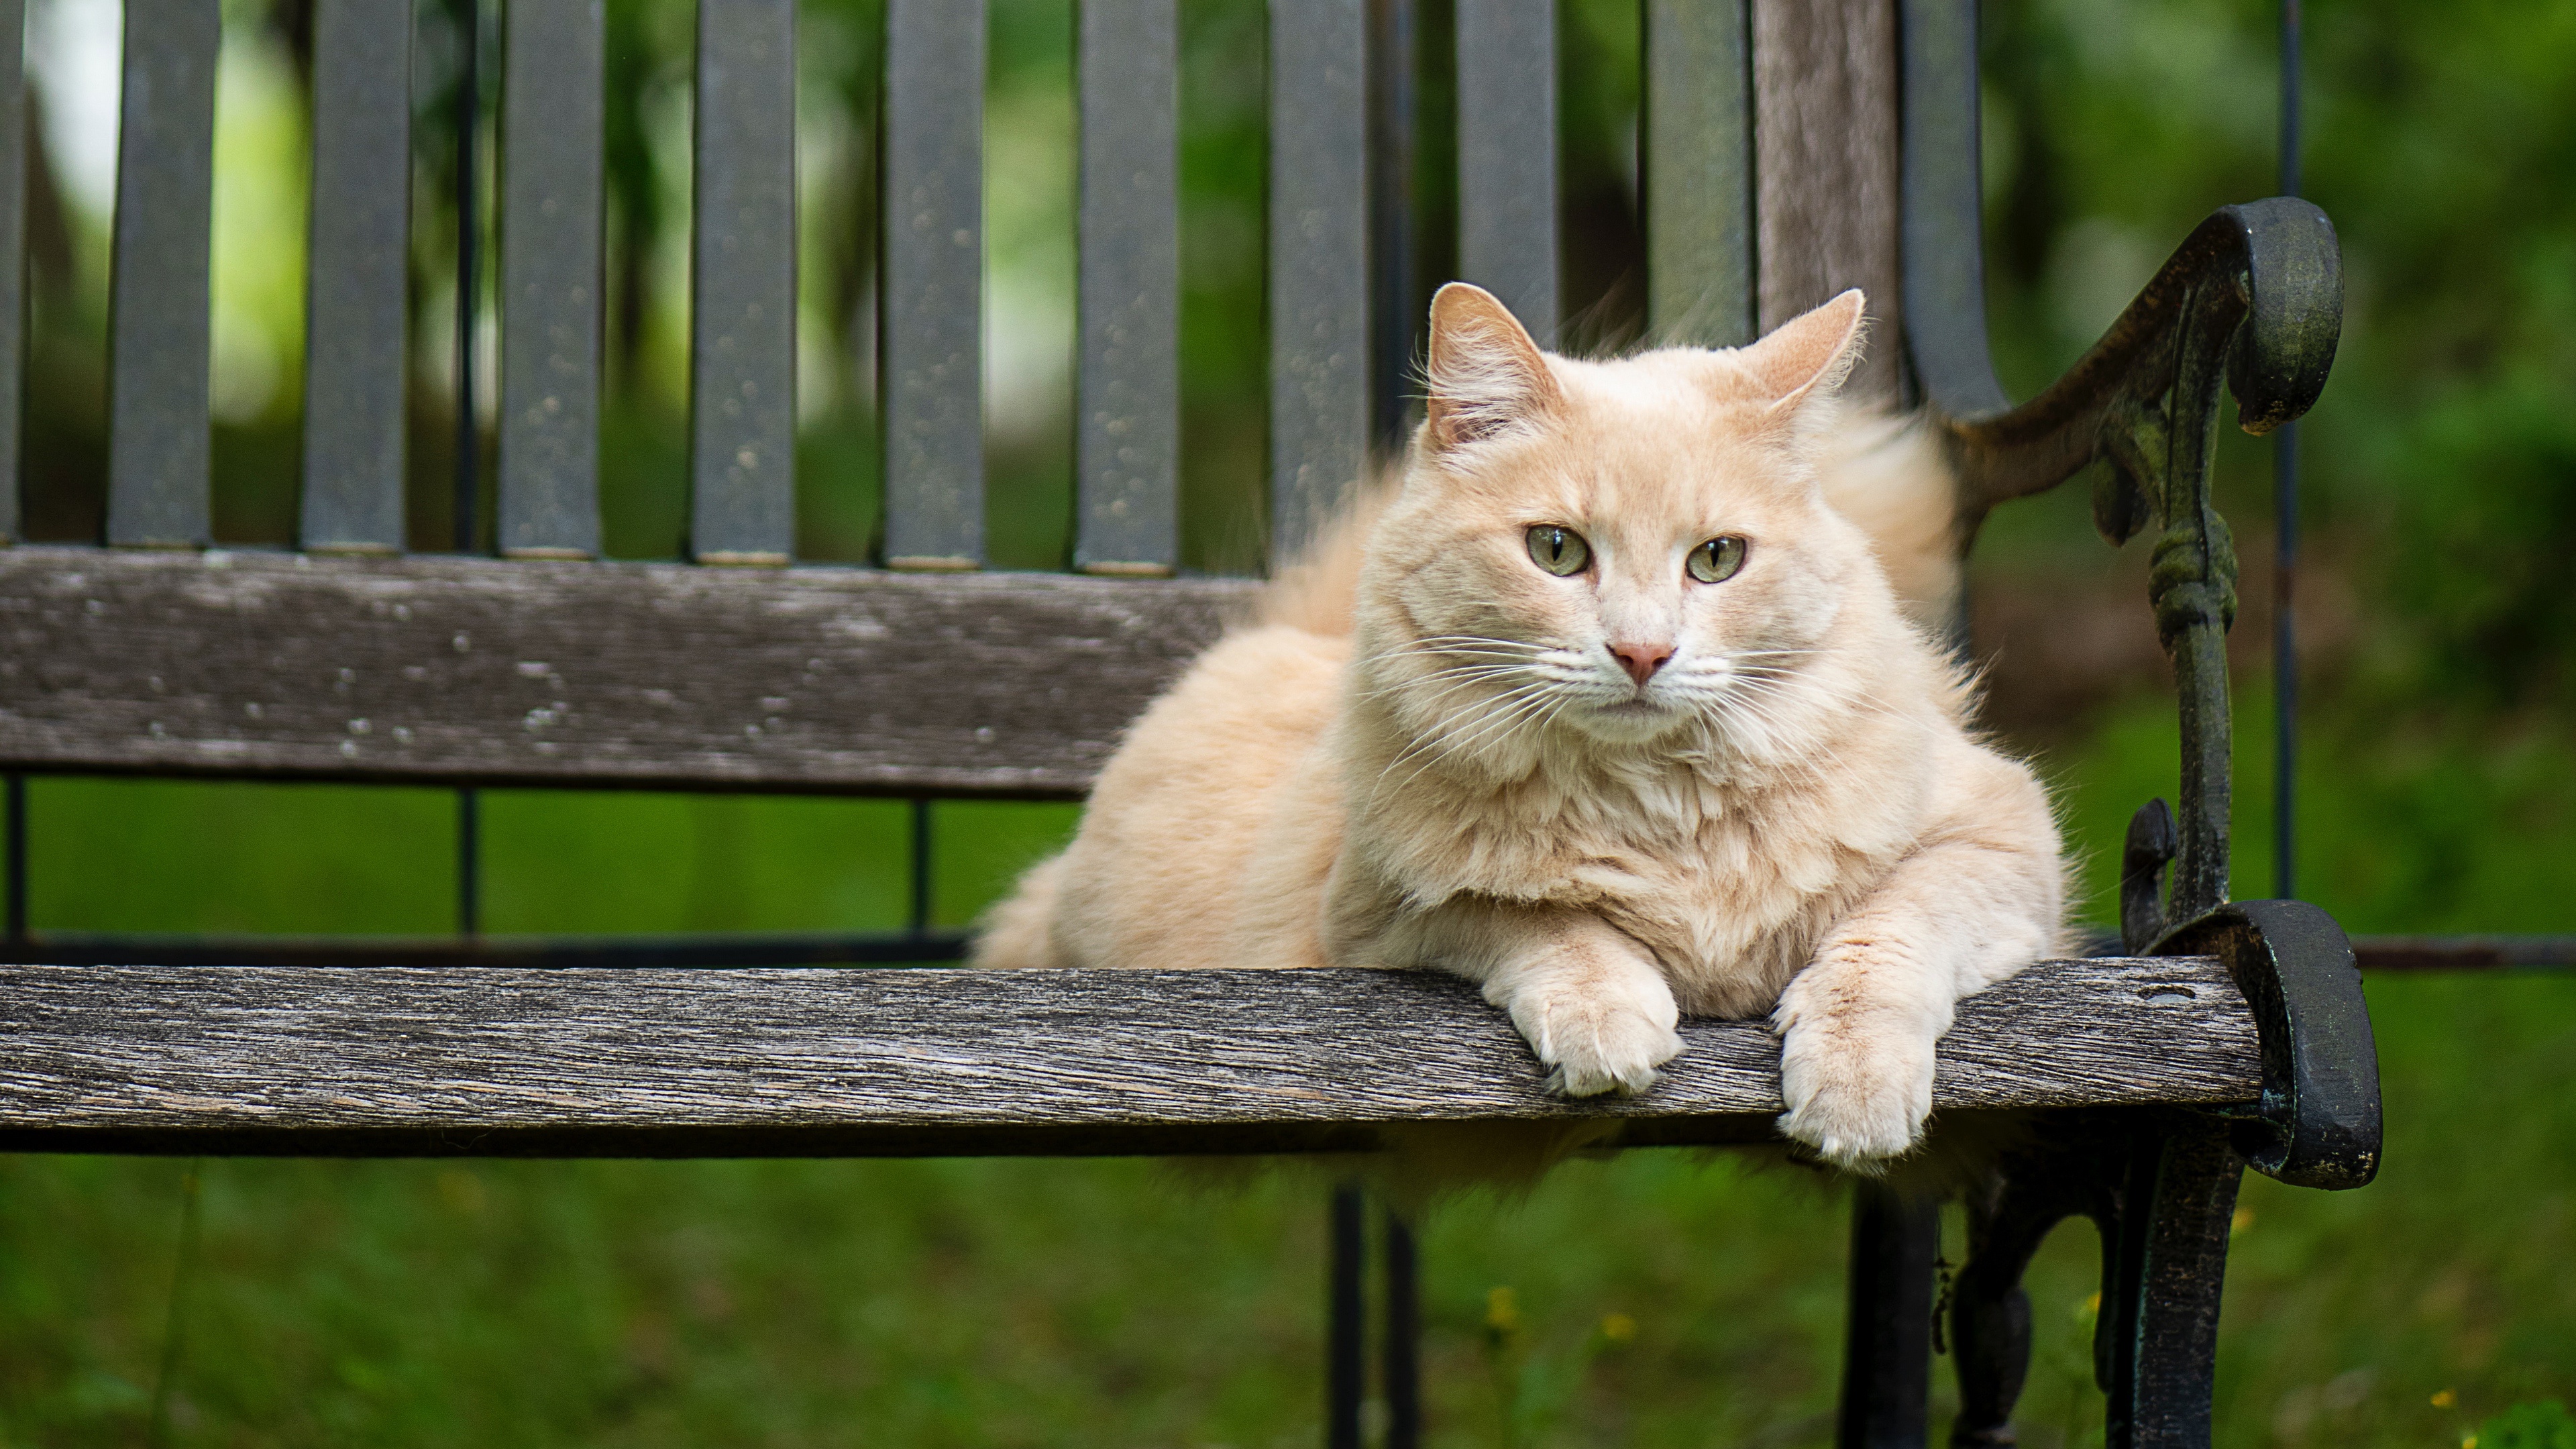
x: 1606, y: 1050
x: 1856, y: 1107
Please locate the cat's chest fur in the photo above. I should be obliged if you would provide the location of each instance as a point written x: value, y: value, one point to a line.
x: 1730, y: 888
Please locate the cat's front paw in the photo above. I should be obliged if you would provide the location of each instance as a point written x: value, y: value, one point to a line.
x: 1857, y: 1092
x: 1595, y: 1045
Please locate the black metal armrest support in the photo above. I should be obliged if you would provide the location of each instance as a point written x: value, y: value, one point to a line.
x: 2252, y: 299
x: 2317, y: 1123
x: 2257, y: 286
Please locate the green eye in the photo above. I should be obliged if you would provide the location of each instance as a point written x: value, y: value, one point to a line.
x: 1558, y: 550
x: 1717, y: 560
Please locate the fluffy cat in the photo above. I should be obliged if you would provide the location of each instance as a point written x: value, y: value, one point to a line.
x: 1618, y: 715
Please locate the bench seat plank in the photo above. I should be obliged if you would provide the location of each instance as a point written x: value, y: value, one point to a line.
x: 902, y: 1062
x: 457, y: 670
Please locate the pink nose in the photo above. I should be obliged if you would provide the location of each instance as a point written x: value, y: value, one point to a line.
x: 1642, y: 660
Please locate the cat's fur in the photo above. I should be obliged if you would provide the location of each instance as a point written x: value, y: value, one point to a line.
x: 1431, y: 755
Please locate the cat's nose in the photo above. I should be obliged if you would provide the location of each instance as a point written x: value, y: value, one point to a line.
x: 1642, y: 660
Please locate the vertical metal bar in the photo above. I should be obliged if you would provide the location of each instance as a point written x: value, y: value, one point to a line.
x: 1319, y: 263
x: 469, y: 863
x: 1507, y: 242
x: 1127, y: 440
x: 742, y: 352
x: 13, y: 251
x: 2285, y: 557
x: 1887, y: 1331
x: 1396, y: 322
x: 16, y: 847
x: 1346, y: 1329
x: 919, y: 924
x: 157, y: 479
x: 1400, y: 1356
x: 1698, y: 164
x: 551, y: 116
x: 932, y: 342
x: 357, y: 308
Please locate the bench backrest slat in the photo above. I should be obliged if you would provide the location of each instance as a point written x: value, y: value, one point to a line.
x: 1698, y: 165
x: 1127, y: 405
x: 1945, y: 261
x: 742, y: 415
x: 13, y: 250
x: 1826, y: 159
x: 551, y: 126
x: 1319, y: 262
x: 1507, y: 241
x: 932, y: 343
x: 158, y: 493
x: 357, y: 301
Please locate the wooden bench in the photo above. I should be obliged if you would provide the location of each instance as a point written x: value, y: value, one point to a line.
x: 1790, y: 148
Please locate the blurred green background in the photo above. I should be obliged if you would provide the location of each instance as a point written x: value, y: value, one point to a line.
x: 1658, y: 1299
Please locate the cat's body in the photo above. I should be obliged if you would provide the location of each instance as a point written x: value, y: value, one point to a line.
x: 1611, y: 793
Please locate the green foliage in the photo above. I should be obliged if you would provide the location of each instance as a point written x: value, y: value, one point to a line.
x: 2544, y: 1425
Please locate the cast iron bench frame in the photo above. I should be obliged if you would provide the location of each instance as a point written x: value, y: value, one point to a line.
x: 2230, y: 1035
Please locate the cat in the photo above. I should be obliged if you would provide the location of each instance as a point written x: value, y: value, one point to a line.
x: 1617, y: 714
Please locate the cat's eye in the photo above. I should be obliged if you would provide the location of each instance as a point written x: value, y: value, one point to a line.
x: 1558, y: 550
x: 1717, y: 560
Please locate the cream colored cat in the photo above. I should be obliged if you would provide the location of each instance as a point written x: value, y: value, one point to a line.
x: 1617, y: 716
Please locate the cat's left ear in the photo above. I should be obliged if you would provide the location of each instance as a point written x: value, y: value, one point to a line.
x: 1807, y: 357
x: 1487, y: 374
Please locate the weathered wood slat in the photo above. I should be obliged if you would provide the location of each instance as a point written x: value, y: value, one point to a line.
x: 667, y: 675
x: 1944, y: 200
x: 158, y: 443
x: 932, y: 339
x: 1826, y: 166
x: 903, y: 1062
x: 357, y: 304
x: 742, y: 414
x: 13, y: 252
x: 1507, y: 240
x: 1319, y: 262
x: 1698, y: 167
x: 1127, y: 437
x: 551, y: 119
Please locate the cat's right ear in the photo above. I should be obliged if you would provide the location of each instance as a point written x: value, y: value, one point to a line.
x: 1487, y: 375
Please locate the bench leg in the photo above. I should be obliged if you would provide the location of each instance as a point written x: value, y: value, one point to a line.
x: 2162, y: 1190
x: 2156, y: 1345
x: 1345, y: 1336
x: 1887, y: 1345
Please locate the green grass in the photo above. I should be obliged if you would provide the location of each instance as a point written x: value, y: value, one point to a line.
x: 1124, y: 1303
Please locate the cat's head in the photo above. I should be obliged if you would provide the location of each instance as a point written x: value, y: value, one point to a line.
x: 1636, y: 551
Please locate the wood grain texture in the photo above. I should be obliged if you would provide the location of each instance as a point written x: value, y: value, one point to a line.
x: 902, y: 1062
x: 666, y: 675
x: 1826, y: 186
